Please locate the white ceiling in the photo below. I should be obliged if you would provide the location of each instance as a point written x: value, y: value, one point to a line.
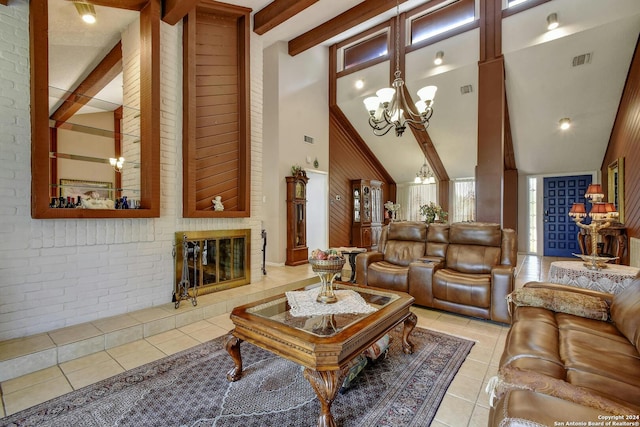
x: 541, y: 84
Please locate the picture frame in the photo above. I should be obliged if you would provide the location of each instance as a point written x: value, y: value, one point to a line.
x: 615, y: 181
x: 79, y: 187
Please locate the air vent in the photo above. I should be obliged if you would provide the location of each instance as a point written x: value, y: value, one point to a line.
x: 308, y: 139
x: 466, y: 89
x: 583, y: 59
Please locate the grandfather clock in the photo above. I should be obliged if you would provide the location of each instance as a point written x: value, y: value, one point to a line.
x: 297, y: 250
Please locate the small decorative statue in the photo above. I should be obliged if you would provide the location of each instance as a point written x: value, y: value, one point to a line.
x: 217, y: 204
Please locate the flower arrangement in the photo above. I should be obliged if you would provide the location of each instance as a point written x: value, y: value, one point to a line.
x: 433, y: 211
x: 297, y: 170
x: 393, y: 208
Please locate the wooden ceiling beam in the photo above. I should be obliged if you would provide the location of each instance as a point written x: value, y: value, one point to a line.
x: 174, y: 10
x: 356, y: 15
x: 102, y: 75
x: 276, y: 13
x: 120, y: 4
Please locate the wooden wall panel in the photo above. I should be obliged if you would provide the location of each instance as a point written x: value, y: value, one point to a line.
x: 349, y: 158
x: 624, y: 142
x: 217, y: 133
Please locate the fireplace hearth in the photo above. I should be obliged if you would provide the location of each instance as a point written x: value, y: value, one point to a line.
x: 216, y: 260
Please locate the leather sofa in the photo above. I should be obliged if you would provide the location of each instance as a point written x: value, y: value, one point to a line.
x: 465, y: 268
x: 559, y: 367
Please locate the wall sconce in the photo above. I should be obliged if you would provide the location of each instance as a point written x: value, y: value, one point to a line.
x: 117, y: 164
x: 439, y: 57
x: 565, y: 123
x: 552, y: 21
x: 86, y: 11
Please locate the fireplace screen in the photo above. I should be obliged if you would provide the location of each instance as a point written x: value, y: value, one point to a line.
x: 216, y: 260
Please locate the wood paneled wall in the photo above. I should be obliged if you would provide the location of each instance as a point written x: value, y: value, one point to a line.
x: 349, y: 158
x: 624, y: 142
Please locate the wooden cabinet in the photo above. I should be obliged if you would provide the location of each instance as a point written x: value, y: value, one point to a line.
x: 367, y: 214
x: 297, y: 250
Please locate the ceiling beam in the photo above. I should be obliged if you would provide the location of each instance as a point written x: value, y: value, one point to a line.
x: 120, y: 4
x: 356, y: 15
x: 4, y: 2
x: 276, y: 13
x: 174, y: 10
x: 102, y: 75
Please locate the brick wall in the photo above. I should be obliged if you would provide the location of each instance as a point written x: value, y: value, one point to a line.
x: 57, y: 273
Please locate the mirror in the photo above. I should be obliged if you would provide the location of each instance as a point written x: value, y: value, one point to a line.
x: 95, y: 91
x: 615, y: 181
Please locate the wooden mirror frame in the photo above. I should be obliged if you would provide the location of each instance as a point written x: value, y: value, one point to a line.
x: 616, y: 192
x: 150, y: 11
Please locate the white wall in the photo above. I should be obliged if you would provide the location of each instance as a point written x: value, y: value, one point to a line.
x: 57, y: 273
x: 295, y: 104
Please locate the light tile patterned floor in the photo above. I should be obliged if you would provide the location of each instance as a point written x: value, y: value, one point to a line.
x: 465, y: 403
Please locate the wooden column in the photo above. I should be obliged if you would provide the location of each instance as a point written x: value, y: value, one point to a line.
x: 490, y: 170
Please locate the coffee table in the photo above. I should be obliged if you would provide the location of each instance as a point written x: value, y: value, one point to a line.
x: 325, y: 346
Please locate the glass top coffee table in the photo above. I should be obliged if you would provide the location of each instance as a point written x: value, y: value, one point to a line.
x: 325, y: 345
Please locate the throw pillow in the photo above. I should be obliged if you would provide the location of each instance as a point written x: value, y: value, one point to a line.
x: 575, y: 303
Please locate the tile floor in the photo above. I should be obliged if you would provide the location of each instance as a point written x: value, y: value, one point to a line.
x: 465, y: 403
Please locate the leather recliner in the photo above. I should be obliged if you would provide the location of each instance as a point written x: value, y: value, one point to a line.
x: 465, y: 268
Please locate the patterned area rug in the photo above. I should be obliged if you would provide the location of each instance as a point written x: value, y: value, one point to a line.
x: 190, y: 389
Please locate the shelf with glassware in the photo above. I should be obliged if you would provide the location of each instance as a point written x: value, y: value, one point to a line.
x: 94, y: 155
x: 297, y: 250
x: 603, y: 215
x: 366, y: 225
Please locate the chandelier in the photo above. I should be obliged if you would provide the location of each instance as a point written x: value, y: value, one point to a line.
x: 424, y: 175
x: 389, y: 108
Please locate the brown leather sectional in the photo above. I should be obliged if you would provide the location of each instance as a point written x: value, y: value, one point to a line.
x: 465, y: 268
x: 561, y: 369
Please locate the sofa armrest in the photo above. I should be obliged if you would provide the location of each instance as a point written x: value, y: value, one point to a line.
x: 362, y: 264
x: 567, y: 288
x: 502, y: 281
x: 421, y: 281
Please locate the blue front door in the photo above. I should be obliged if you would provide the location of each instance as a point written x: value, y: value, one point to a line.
x: 560, y: 232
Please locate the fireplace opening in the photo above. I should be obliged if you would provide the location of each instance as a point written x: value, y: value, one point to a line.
x: 216, y: 259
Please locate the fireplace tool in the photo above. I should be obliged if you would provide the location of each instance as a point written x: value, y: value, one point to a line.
x: 184, y: 285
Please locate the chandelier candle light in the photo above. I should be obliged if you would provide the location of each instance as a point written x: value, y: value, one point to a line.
x: 389, y: 108
x: 601, y: 213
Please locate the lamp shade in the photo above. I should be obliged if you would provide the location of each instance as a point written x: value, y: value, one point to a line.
x: 427, y: 93
x: 578, y: 211
x: 385, y: 95
x: 599, y: 211
x: 372, y: 103
x: 594, y: 192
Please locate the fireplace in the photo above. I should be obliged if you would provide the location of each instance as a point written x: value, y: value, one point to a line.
x: 216, y: 259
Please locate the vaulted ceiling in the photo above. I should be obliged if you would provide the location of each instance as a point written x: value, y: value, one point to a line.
x: 542, y: 85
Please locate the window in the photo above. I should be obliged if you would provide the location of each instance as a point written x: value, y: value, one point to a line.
x: 411, y: 197
x: 463, y: 207
x: 533, y: 233
x: 442, y: 20
x: 367, y: 50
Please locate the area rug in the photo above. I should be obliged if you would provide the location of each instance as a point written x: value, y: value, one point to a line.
x: 190, y: 389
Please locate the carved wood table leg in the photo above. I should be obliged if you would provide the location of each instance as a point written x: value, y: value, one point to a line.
x: 409, y: 323
x: 326, y: 385
x: 232, y: 344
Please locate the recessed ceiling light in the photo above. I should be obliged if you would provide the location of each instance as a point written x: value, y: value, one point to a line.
x: 359, y: 84
x: 439, y: 57
x: 552, y: 21
x: 565, y: 123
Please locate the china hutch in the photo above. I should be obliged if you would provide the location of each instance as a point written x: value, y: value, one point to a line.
x: 366, y: 221
x: 297, y: 250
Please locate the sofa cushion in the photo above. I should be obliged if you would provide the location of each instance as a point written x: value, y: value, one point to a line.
x: 461, y: 288
x: 625, y: 312
x: 472, y: 259
x: 475, y: 233
x: 402, y: 252
x: 386, y: 275
x: 560, y: 301
x: 437, y: 240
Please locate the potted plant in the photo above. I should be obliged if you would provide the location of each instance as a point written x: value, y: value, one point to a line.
x: 433, y: 212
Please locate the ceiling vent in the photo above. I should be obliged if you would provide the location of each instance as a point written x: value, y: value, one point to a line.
x: 466, y: 89
x: 583, y: 59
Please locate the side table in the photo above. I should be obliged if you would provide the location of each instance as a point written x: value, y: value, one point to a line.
x: 611, y: 279
x: 614, y: 240
x: 351, y: 253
